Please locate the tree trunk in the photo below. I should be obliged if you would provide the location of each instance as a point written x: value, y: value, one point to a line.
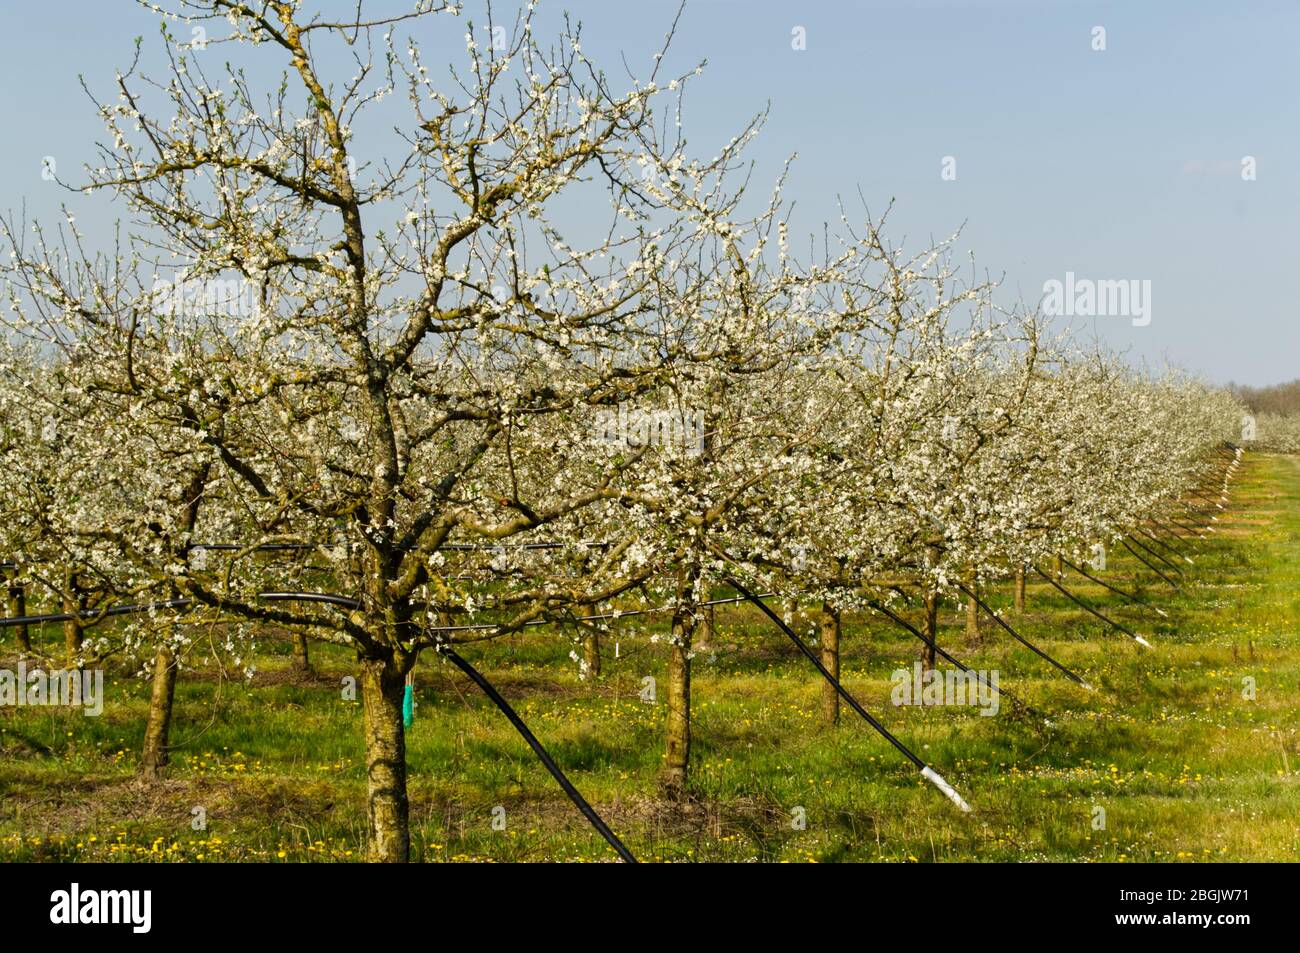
x: 677, y: 729
x: 1060, y: 567
x: 1020, y: 590
x: 382, y: 687
x: 931, y: 630
x: 591, y: 655
x: 704, y: 631
x: 74, y: 636
x: 301, y: 660
x: 16, y: 605
x: 830, y: 644
x: 972, y: 609
x: 158, y: 729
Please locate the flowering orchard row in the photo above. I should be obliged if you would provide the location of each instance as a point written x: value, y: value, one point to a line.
x: 471, y: 411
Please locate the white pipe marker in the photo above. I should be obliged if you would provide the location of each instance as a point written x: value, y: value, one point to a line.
x: 934, y: 778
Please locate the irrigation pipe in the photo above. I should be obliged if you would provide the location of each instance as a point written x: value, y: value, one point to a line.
x: 927, y: 772
x: 1019, y: 638
x: 1138, y: 557
x: 574, y: 795
x: 1120, y: 592
x: 1079, y: 602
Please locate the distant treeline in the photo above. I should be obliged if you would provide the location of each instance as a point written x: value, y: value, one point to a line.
x: 1278, y: 399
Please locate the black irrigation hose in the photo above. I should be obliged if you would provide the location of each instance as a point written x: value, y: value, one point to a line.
x: 1176, y: 569
x: 1199, y: 512
x: 1190, y: 504
x: 1214, y: 503
x: 1158, y: 530
x: 1021, y: 639
x: 844, y: 693
x: 1191, y: 530
x: 926, y: 771
x: 880, y: 607
x: 587, y: 811
x: 1154, y: 569
x: 1150, y: 533
x: 1120, y: 592
x: 1079, y: 602
x: 1161, y: 543
x: 325, y: 597
x: 136, y: 608
x: 343, y: 601
x: 1161, y: 524
x: 95, y: 614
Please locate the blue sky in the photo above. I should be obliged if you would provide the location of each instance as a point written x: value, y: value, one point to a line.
x: 1115, y: 164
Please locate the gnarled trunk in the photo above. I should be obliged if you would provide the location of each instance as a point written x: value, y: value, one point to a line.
x: 830, y: 645
x: 301, y: 659
x: 677, y: 727
x: 931, y: 630
x: 591, y: 655
x: 705, y: 630
x: 382, y: 686
x: 16, y: 605
x: 154, y: 757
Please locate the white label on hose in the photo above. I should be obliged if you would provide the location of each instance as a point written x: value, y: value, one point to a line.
x: 1142, y: 641
x: 933, y: 777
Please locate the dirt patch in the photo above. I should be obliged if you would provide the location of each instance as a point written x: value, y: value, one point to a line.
x: 103, y: 805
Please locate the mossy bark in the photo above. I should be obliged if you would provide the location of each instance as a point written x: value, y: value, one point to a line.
x: 301, y: 657
x: 674, y: 775
x: 158, y: 728
x: 16, y: 605
x: 704, y: 631
x: 591, y: 655
x: 382, y: 686
x: 931, y: 630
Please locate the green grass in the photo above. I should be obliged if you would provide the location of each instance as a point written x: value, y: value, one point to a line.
x: 1184, y: 766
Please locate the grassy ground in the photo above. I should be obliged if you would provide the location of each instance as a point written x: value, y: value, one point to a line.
x: 1184, y: 766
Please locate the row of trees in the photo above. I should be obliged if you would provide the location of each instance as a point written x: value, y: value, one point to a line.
x: 470, y: 407
x: 1279, y: 399
x: 1279, y: 433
